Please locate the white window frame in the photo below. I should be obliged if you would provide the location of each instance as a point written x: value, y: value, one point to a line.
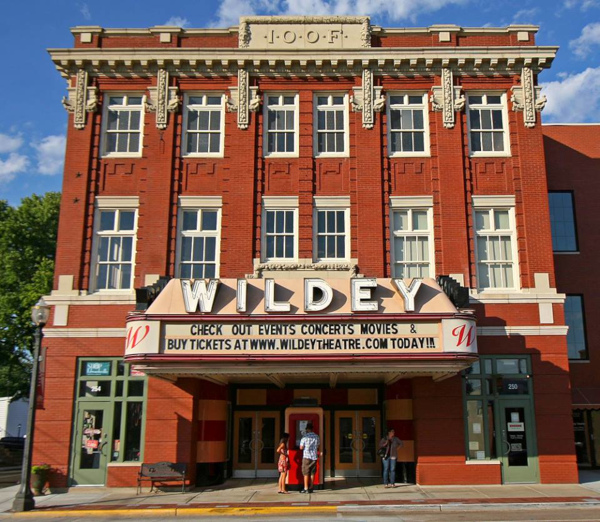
x: 199, y: 204
x: 334, y: 203
x: 425, y: 109
x: 505, y: 122
x: 410, y: 204
x: 208, y: 108
x: 283, y: 203
x: 266, y: 130
x: 316, y: 111
x: 117, y: 204
x: 492, y: 204
x: 130, y: 108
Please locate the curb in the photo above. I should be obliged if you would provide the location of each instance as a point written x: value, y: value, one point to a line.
x: 298, y: 509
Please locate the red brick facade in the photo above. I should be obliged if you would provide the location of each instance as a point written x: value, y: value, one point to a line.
x: 509, y: 322
x: 572, y: 162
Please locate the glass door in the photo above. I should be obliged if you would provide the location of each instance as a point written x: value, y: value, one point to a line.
x: 517, y: 450
x: 92, y: 429
x: 256, y: 436
x: 357, y: 440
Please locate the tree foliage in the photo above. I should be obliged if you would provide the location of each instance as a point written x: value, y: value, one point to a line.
x: 27, y: 249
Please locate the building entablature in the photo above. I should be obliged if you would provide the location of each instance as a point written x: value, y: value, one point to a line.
x: 184, y: 62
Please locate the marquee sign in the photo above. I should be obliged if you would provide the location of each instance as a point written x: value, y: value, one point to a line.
x: 216, y: 318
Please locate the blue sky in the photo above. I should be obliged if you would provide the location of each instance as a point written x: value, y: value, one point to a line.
x: 33, y: 122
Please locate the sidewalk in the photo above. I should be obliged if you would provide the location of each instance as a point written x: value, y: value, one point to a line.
x: 260, y: 494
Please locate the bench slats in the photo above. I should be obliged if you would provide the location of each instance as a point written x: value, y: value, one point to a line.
x: 162, y: 472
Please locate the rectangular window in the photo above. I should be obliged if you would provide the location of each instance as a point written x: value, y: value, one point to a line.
x: 279, y: 234
x: 562, y: 221
x: 123, y: 118
x: 575, y: 321
x: 204, y: 124
x: 412, y: 240
x: 281, y: 116
x: 495, y: 248
x: 332, y: 126
x: 331, y: 234
x: 114, y: 249
x: 487, y: 120
x: 407, y: 123
x: 199, y: 243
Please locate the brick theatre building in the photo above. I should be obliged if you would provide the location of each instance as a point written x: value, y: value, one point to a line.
x: 305, y: 219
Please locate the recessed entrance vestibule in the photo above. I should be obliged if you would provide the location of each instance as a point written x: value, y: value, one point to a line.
x: 350, y: 432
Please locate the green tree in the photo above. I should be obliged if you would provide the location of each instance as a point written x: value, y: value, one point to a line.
x: 27, y: 249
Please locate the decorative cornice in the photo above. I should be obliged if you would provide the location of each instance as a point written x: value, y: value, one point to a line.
x: 528, y: 98
x: 81, y: 99
x: 142, y: 62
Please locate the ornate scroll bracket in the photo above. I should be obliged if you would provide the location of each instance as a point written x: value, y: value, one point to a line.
x: 163, y: 99
x: 447, y: 98
x: 81, y: 99
x: 528, y: 98
x: 243, y: 99
x: 367, y: 99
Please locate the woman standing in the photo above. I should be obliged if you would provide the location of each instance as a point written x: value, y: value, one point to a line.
x: 283, y: 464
x: 391, y: 443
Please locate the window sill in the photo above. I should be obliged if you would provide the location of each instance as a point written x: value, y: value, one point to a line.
x: 203, y: 155
x: 331, y: 155
x: 399, y: 155
x: 119, y: 155
x: 277, y: 155
x: 489, y: 154
x: 579, y: 361
x: 128, y: 291
x: 486, y: 462
x: 567, y: 252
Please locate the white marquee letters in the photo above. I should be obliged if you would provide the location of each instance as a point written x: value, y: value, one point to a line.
x: 199, y: 296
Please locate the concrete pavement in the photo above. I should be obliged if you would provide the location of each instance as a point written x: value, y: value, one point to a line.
x: 259, y: 496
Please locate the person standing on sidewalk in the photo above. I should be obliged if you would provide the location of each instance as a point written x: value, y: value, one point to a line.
x: 310, y: 445
x: 283, y: 463
x: 391, y: 443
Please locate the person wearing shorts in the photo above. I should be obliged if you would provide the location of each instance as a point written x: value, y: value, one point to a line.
x: 310, y: 446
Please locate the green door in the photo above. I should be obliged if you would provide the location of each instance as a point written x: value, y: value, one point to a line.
x: 92, y: 434
x: 517, y: 445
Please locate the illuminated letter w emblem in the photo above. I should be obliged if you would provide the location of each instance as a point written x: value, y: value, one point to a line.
x: 463, y: 336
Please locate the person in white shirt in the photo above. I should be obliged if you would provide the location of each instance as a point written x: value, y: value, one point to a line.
x: 310, y: 446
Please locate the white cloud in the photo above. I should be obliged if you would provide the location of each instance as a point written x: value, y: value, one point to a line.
x: 584, y: 5
x: 590, y: 36
x: 84, y: 9
x: 525, y: 15
x: 50, y: 154
x: 179, y: 21
x: 12, y: 165
x: 230, y: 11
x: 9, y: 143
x: 574, y: 98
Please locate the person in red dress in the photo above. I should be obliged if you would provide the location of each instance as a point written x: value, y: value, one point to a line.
x: 283, y: 464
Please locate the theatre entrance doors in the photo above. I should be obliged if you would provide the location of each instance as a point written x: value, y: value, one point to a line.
x: 356, y: 441
x: 256, y: 436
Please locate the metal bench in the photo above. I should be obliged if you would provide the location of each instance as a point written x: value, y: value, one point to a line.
x: 160, y: 473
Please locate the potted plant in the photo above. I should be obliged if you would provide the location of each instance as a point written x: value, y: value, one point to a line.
x: 39, y: 477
